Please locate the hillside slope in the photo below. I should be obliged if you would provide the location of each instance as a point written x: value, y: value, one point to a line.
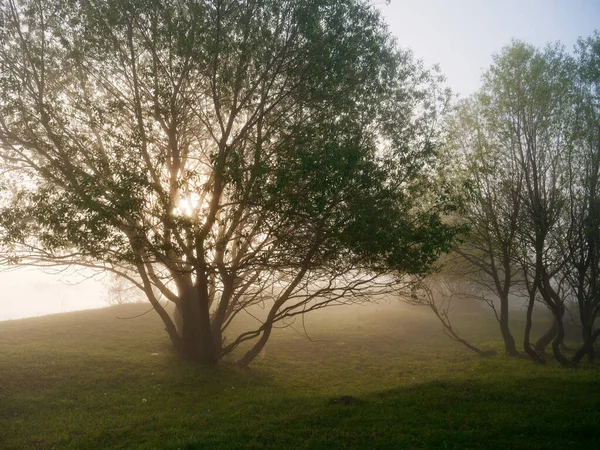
x: 374, y: 377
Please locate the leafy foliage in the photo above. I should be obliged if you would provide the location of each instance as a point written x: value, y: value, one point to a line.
x: 214, y: 151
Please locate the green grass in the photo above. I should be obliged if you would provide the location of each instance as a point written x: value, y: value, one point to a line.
x: 89, y: 380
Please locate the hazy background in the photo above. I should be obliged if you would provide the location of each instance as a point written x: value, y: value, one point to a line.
x: 29, y: 292
x: 459, y: 35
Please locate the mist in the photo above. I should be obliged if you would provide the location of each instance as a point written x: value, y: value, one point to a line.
x: 299, y: 224
x: 32, y: 293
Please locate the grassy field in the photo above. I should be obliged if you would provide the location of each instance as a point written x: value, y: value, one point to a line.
x: 377, y: 377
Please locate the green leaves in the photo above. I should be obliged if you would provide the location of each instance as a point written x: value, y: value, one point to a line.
x: 303, y: 109
x: 220, y: 148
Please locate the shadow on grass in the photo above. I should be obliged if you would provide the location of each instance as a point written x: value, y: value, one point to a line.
x: 541, y: 413
x: 88, y: 380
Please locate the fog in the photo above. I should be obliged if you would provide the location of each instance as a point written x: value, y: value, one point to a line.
x: 31, y: 293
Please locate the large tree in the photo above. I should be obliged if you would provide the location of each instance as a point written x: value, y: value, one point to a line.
x: 222, y: 155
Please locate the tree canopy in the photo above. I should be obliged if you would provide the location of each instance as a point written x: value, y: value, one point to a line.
x: 223, y: 155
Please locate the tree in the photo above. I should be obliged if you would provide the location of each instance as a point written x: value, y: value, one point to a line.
x: 518, y: 145
x: 582, y: 274
x: 119, y: 291
x: 529, y: 90
x: 225, y: 154
x: 492, y: 212
x: 532, y: 140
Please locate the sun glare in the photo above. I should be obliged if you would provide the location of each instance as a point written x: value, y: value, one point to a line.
x: 188, y: 206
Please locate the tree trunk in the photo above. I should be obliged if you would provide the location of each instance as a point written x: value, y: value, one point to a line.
x: 560, y: 335
x: 530, y: 349
x: 484, y: 353
x: 268, y: 324
x: 591, y: 354
x: 546, y: 339
x: 510, y: 347
x: 587, y: 348
x: 588, y: 338
x: 591, y: 350
x: 256, y: 348
x: 170, y: 327
x: 220, y: 315
x: 196, y: 336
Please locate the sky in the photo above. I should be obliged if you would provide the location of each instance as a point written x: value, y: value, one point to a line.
x: 462, y: 35
x: 459, y: 35
x: 28, y: 292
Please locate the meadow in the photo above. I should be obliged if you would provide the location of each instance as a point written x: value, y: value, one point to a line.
x: 382, y: 376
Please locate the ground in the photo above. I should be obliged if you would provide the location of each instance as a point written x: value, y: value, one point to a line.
x: 383, y: 376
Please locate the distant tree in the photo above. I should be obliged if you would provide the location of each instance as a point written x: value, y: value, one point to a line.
x: 582, y: 273
x: 272, y: 154
x: 120, y: 291
x: 514, y: 132
x: 492, y: 210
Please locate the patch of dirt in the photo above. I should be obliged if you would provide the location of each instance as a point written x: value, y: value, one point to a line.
x: 344, y: 400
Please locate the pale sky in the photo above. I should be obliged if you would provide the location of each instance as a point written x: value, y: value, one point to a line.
x: 28, y: 292
x: 459, y: 35
x: 462, y: 35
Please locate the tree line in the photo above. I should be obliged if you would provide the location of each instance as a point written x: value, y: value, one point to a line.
x: 528, y: 143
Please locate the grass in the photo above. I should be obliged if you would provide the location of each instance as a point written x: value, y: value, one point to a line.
x: 377, y: 377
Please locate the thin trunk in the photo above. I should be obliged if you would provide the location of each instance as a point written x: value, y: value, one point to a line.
x: 560, y: 335
x: 221, y: 313
x: 587, y: 348
x: 450, y: 332
x: 444, y: 318
x: 164, y: 315
x: 529, y: 348
x: 268, y: 325
x: 591, y: 354
x: 547, y: 338
x: 510, y: 347
x: 257, y: 347
x: 591, y: 349
x: 588, y: 332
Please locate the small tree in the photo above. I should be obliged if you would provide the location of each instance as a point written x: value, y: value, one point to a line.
x: 231, y: 154
x: 439, y: 295
x: 120, y: 291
